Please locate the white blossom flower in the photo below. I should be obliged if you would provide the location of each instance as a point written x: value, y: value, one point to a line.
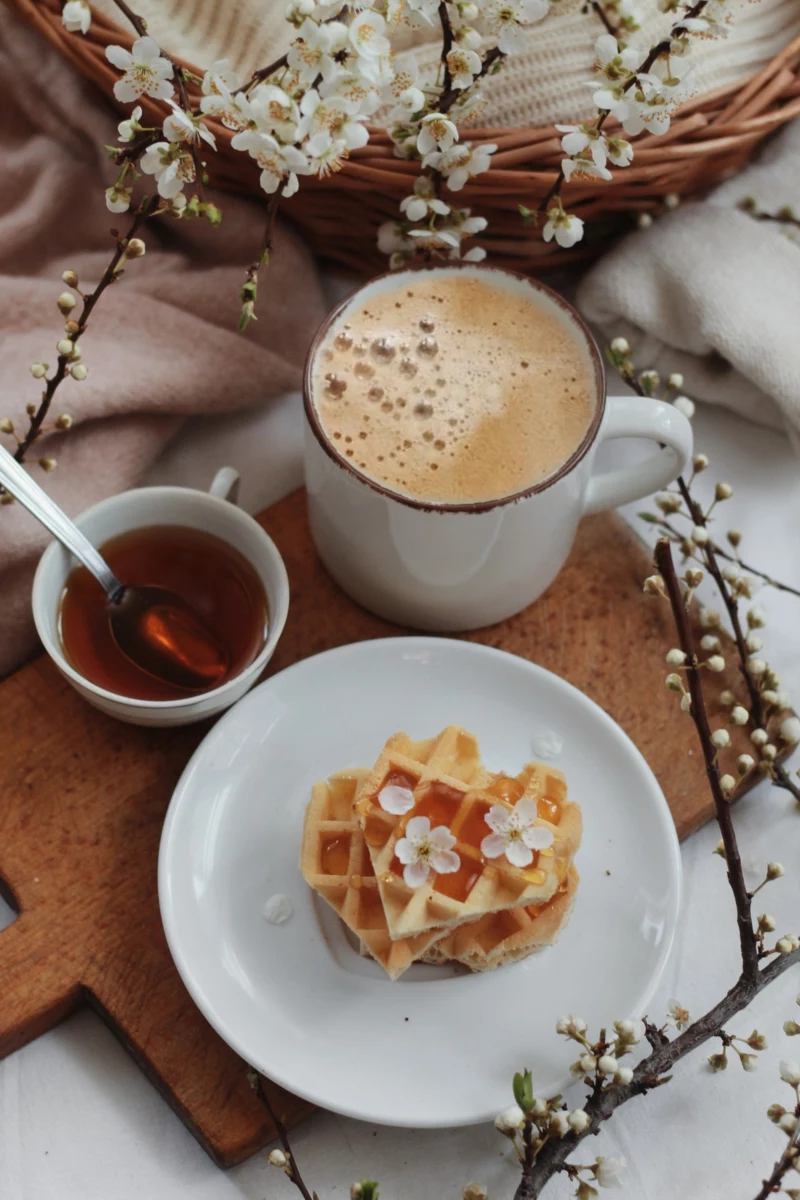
x: 436, y: 132
x: 565, y: 228
x: 312, y: 52
x: 325, y: 154
x: 118, y: 198
x: 145, y: 72
x: 426, y: 10
x: 631, y: 1031
x: 510, y: 1119
x: 570, y: 1025
x: 507, y: 18
x: 423, y: 849
x: 172, y: 167
x: 579, y: 138
x: 583, y: 168
x: 181, y: 126
x: 271, y: 110
x: 411, y: 100
x: 368, y: 35
x: 460, y: 162
x: 76, y: 16
x: 416, y: 208
x: 129, y: 128
x: 790, y: 1072
x: 463, y: 65
x: 620, y: 153
x: 335, y: 116
x: 278, y: 163
x: 613, y: 64
x: 587, y: 1063
x: 396, y: 800
x: 393, y: 241
x: 218, y: 100
x: 609, y: 1172
x: 515, y: 834
x: 790, y: 730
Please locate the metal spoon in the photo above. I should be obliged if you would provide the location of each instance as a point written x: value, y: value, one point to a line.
x: 153, y: 627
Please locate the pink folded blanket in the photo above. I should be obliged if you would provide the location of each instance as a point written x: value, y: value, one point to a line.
x: 162, y: 343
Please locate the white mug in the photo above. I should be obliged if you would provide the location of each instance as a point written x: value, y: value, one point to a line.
x: 451, y: 567
x: 214, y: 512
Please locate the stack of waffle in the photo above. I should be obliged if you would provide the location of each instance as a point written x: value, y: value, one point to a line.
x: 479, y: 908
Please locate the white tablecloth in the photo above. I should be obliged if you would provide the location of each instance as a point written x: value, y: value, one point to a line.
x: 79, y: 1122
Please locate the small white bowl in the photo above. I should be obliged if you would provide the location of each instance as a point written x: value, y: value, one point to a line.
x: 214, y: 512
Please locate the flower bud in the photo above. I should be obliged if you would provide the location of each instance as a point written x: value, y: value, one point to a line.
x: 79, y: 372
x: 277, y: 1158
x: 753, y: 643
x: 70, y: 278
x: 734, y: 536
x: 716, y: 663
x: 654, y: 585
x: 587, y: 1063
x: 759, y: 737
x: 770, y: 697
x: 135, y: 248
x: 674, y: 683
x: 475, y: 1191
x: 694, y: 576
x: 739, y: 715
x: 727, y: 783
x: 71, y: 328
x: 786, y: 945
x: 510, y: 1120
x: 700, y: 462
x: 579, y: 1120
x: 766, y: 923
x: 769, y: 752
x: 6, y: 425
x: 790, y: 731
x: 608, y: 1065
x: 675, y: 658
x: 675, y: 380
x: 720, y: 849
x: 620, y: 345
x: 624, y: 1075
x: 745, y: 763
x: 723, y: 491
x: 38, y: 370
x: 710, y: 641
x: 672, y: 201
x: 47, y: 464
x: 700, y: 535
x: 788, y: 1123
x: 559, y: 1124
x: 791, y: 1028
x: 66, y: 302
x: 684, y: 405
x: 65, y: 346
x: 775, y: 1112
x: 64, y: 421
x: 756, y: 618
x: 644, y: 220
x: 775, y: 870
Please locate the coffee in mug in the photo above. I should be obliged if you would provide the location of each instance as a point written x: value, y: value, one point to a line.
x: 452, y: 389
x: 453, y: 414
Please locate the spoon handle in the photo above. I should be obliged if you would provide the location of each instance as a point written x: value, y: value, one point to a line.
x: 16, y: 480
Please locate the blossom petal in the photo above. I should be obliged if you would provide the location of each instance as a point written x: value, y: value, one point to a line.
x: 442, y: 837
x: 496, y: 818
x: 396, y: 800
x: 525, y: 810
x: 417, y: 827
x: 445, y: 862
x: 538, y: 837
x: 518, y: 854
x: 119, y: 57
x: 493, y: 845
x: 404, y: 850
x: 126, y: 91
x: 415, y: 874
x: 146, y: 51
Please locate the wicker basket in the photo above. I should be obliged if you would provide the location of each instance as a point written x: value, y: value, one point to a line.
x: 710, y: 138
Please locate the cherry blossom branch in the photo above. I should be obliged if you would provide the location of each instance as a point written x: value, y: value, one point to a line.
x: 786, y: 1162
x: 249, y: 293
x: 447, y: 46
x: 784, y: 216
x: 722, y: 807
x: 449, y: 97
x: 709, y: 552
x: 262, y: 73
x: 721, y: 552
x: 655, y: 52
x: 599, y: 8
x: 284, y: 1158
x: 77, y: 327
x: 649, y: 1074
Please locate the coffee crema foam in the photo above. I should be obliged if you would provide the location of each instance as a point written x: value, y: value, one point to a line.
x: 453, y: 390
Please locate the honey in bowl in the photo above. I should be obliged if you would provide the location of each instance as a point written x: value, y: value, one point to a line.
x: 218, y: 582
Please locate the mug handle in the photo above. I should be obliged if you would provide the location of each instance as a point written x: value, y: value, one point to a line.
x: 225, y: 485
x: 629, y: 417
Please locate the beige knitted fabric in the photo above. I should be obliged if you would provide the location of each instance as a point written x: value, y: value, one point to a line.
x: 543, y: 84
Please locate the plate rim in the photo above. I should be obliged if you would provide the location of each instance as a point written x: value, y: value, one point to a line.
x: 422, y: 641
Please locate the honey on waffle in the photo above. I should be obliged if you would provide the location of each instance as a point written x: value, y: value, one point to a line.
x: 335, y: 863
x: 450, y: 787
x: 509, y: 935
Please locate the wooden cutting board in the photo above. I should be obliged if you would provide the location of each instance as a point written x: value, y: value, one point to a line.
x: 82, y: 800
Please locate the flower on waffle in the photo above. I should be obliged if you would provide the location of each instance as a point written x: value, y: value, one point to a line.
x: 396, y: 800
x: 515, y: 834
x: 424, y: 848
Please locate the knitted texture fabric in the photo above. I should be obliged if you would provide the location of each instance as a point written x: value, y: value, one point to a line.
x: 544, y: 83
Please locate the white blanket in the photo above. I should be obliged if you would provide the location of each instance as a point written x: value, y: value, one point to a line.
x: 713, y: 293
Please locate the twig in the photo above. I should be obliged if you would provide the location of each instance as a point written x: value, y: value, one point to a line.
x: 263, y: 73
x: 447, y: 46
x: 649, y: 1074
x: 291, y: 1168
x: 721, y: 552
x: 249, y: 292
x: 599, y: 8
x: 722, y: 807
x: 109, y: 276
x: 449, y: 97
x: 785, y: 1163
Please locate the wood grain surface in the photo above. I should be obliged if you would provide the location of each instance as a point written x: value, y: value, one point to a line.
x: 82, y: 800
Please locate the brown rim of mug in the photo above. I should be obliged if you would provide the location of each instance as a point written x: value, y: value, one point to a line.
x: 472, y: 506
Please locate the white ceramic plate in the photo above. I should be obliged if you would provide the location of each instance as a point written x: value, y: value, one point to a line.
x: 438, y: 1047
